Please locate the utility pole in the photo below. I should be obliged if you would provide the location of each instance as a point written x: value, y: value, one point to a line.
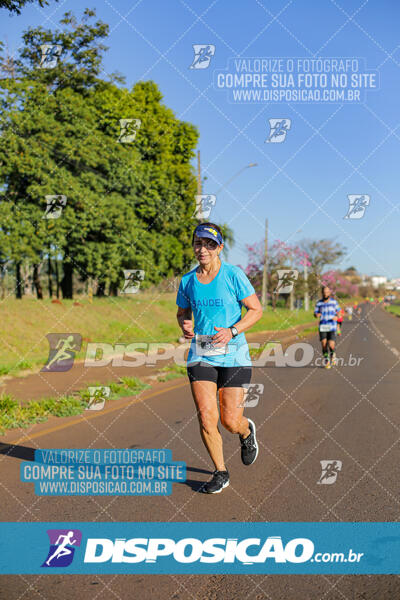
x: 306, y: 297
x: 291, y: 294
x: 265, y: 269
x: 199, y: 187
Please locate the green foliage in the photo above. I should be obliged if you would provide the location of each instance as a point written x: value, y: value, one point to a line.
x: 14, y: 6
x: 129, y: 205
x: 322, y: 253
x: 256, y: 352
x: 13, y: 414
x: 395, y: 310
x: 172, y: 371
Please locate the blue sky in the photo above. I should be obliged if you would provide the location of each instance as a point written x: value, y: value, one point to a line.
x: 331, y: 149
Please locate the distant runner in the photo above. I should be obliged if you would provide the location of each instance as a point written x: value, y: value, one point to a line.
x: 340, y: 321
x: 218, y: 359
x: 327, y: 310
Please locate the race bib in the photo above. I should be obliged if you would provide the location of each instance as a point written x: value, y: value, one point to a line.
x: 325, y: 327
x: 206, y: 347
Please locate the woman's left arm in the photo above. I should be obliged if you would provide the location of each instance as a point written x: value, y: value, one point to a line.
x: 253, y: 314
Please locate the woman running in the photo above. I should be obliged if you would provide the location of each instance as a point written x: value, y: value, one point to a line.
x: 218, y: 359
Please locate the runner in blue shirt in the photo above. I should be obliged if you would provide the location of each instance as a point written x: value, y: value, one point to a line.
x: 327, y: 309
x: 213, y: 294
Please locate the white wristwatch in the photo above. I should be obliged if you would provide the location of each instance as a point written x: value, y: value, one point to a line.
x: 234, y: 331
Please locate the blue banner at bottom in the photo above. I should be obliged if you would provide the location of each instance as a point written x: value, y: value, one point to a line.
x: 195, y: 548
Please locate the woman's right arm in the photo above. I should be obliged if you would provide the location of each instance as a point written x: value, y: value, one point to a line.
x: 184, y: 316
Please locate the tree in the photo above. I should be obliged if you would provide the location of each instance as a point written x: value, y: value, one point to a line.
x: 14, y: 6
x: 40, y: 136
x: 127, y: 205
x: 340, y: 285
x: 280, y: 256
x: 322, y: 253
x: 228, y: 237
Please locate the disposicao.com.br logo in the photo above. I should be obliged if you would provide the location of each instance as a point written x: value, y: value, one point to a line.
x: 200, y: 547
x: 247, y: 551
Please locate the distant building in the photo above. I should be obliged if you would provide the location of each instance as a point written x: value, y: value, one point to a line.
x: 393, y: 284
x: 378, y: 280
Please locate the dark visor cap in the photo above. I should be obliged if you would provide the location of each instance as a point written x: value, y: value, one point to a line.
x: 206, y: 231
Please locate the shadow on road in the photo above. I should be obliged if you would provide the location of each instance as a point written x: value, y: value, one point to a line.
x: 195, y: 485
x: 22, y: 452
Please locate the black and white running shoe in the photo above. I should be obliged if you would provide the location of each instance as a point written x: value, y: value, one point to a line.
x: 249, y: 445
x: 219, y: 481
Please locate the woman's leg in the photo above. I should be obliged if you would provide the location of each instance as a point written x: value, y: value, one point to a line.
x: 204, y: 395
x: 231, y: 408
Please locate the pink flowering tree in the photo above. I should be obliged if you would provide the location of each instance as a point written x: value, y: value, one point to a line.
x: 339, y: 284
x: 281, y: 255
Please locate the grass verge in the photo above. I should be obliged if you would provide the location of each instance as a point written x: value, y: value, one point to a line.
x: 171, y: 372
x: 13, y: 414
x: 141, y: 318
x: 394, y: 309
x: 144, y: 317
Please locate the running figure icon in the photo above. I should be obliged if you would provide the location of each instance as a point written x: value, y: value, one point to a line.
x: 63, y: 352
x: 62, y: 549
x: 63, y: 545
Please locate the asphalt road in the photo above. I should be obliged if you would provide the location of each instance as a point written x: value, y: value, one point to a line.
x: 350, y: 413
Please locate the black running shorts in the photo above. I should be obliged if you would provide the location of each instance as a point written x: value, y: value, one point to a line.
x: 222, y: 376
x: 327, y: 335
